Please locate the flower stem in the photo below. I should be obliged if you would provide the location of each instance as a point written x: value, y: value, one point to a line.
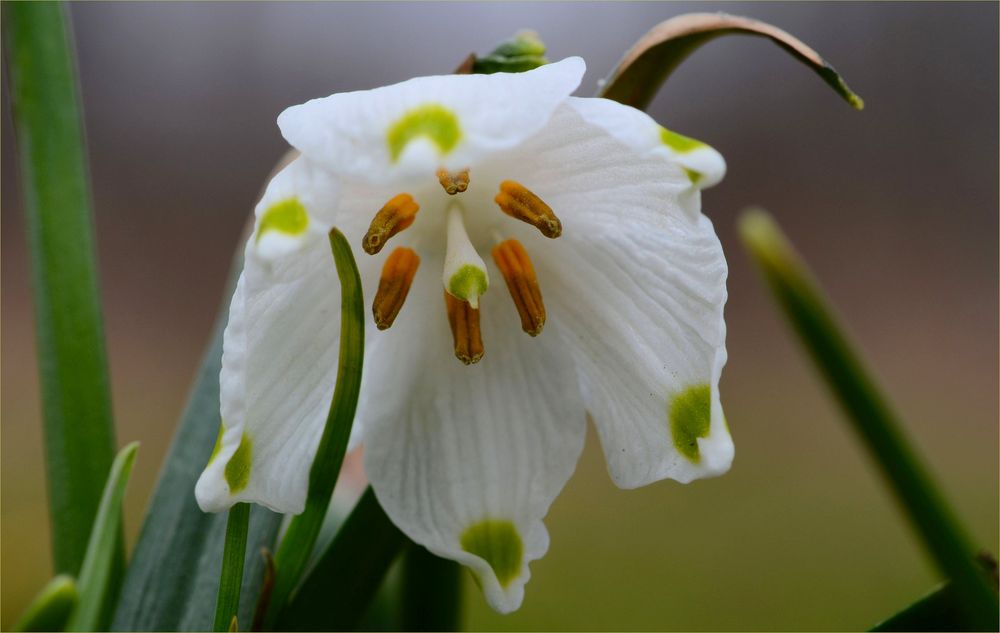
x: 297, y: 545
x: 76, y: 399
x: 231, y: 578
x: 431, y: 593
x: 808, y: 311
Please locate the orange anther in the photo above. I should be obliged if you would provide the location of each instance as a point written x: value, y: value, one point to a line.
x: 397, y: 277
x: 519, y: 273
x: 518, y: 202
x: 397, y: 215
x: 464, y: 322
x: 453, y: 183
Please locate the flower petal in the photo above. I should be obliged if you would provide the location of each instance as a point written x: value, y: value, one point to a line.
x: 636, y: 284
x: 638, y: 130
x: 644, y: 304
x: 279, y: 365
x: 414, y: 127
x: 466, y: 460
x: 294, y: 211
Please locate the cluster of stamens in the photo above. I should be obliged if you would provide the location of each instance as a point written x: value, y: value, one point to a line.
x: 515, y: 200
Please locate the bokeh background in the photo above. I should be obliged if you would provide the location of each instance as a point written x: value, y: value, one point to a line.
x: 894, y: 207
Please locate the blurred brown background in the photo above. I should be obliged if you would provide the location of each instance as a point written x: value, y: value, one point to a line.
x: 895, y: 208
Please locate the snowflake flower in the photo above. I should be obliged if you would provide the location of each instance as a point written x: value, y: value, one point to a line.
x: 589, y: 213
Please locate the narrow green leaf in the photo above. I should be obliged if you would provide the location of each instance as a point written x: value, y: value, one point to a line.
x: 231, y: 578
x: 336, y: 592
x: 878, y: 426
x: 939, y: 610
x: 659, y: 52
x: 76, y: 401
x: 298, y: 542
x: 98, y: 565
x: 431, y: 591
x: 51, y: 608
x: 383, y: 612
x: 173, y: 577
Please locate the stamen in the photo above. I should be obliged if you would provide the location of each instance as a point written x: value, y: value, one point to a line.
x: 397, y: 277
x: 453, y: 183
x: 518, y: 202
x: 519, y: 273
x: 464, y: 322
x: 464, y: 274
x: 397, y: 215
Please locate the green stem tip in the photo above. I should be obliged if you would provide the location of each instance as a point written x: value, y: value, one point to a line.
x: 98, y: 575
x: 51, y: 608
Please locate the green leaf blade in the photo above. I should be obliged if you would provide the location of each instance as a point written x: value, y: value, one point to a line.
x: 651, y: 61
x: 300, y: 538
x: 173, y: 576
x: 51, y: 608
x: 76, y: 401
x: 835, y: 356
x: 431, y: 591
x: 937, y: 611
x: 336, y: 592
x: 96, y: 574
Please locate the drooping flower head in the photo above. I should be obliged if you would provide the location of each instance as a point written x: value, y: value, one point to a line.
x: 474, y: 398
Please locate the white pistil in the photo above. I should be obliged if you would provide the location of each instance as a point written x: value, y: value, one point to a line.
x: 465, y: 275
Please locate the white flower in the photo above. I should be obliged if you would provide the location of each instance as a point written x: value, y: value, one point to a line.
x: 460, y: 184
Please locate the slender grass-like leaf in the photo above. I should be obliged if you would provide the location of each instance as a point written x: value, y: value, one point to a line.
x: 659, y: 52
x: 51, y: 608
x: 336, y: 592
x: 227, y: 604
x: 297, y: 544
x: 96, y: 580
x: 939, y: 610
x: 431, y: 591
x: 876, y: 423
x: 76, y: 400
x: 383, y: 612
x: 173, y: 577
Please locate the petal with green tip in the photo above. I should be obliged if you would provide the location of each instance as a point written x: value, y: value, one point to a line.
x: 414, y: 127
x: 467, y: 460
x: 296, y: 209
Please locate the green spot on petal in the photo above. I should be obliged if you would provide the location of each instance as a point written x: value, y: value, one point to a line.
x: 497, y: 542
x: 287, y: 216
x: 218, y: 443
x: 238, y: 468
x: 693, y: 175
x: 468, y: 281
x: 434, y: 122
x: 679, y: 143
x: 690, y: 418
